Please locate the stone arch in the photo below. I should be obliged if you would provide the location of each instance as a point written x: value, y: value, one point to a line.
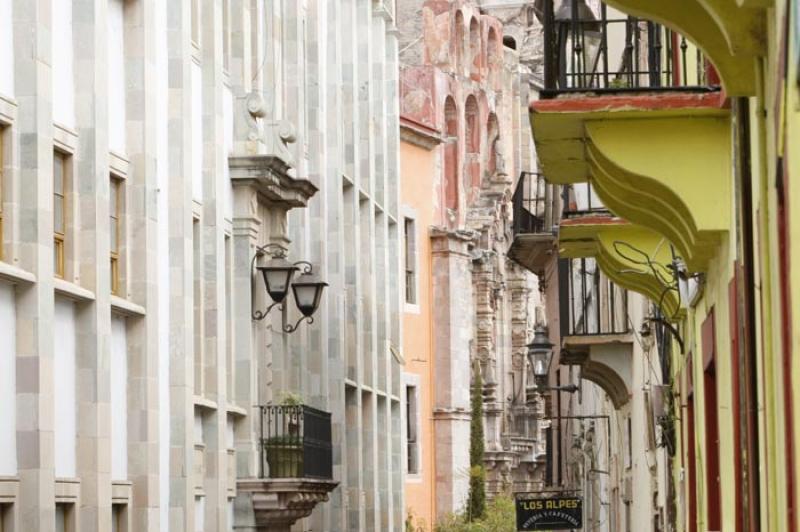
x: 474, y: 57
x: 451, y: 154
x: 608, y: 379
x: 458, y: 43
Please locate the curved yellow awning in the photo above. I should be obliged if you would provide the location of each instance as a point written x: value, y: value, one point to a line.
x: 660, y: 162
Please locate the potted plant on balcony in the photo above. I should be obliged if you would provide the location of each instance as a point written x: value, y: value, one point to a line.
x: 285, y: 448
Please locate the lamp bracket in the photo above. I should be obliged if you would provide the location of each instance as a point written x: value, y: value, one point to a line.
x: 259, y: 315
x: 306, y: 267
x: 289, y: 328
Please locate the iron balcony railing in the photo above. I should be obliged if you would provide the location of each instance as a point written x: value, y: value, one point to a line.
x: 580, y: 199
x: 535, y: 204
x: 590, y: 46
x: 590, y: 303
x: 539, y: 206
x: 295, y: 442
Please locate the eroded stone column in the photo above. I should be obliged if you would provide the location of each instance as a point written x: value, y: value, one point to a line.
x: 452, y: 329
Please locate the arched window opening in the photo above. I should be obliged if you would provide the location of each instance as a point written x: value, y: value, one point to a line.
x: 493, y: 138
x: 451, y: 155
x: 509, y: 42
x: 474, y: 49
x: 458, y: 44
x: 472, y: 143
x: 494, y: 58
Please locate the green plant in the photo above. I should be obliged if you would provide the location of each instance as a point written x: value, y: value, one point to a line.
x: 286, y: 398
x: 500, y: 516
x: 618, y: 83
x: 414, y: 526
x: 476, y: 503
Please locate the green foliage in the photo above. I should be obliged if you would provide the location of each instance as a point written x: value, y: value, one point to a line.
x: 476, y: 503
x: 499, y: 517
x: 415, y: 526
x: 290, y: 399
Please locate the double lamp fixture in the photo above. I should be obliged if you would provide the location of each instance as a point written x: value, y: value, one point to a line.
x: 278, y: 274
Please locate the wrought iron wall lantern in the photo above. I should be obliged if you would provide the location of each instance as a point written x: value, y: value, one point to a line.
x: 540, y: 356
x: 278, y: 274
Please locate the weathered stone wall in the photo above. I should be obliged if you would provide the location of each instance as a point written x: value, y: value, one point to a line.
x: 458, y: 81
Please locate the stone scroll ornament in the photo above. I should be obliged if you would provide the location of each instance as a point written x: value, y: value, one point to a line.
x: 276, y: 135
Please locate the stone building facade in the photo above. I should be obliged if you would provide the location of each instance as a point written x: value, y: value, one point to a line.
x: 148, y: 148
x: 462, y: 103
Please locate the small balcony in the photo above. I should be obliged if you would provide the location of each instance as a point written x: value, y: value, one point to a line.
x: 296, y: 466
x: 295, y: 442
x: 636, y: 109
x: 603, y: 50
x: 536, y: 211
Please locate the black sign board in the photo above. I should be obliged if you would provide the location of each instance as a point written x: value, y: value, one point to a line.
x: 552, y: 513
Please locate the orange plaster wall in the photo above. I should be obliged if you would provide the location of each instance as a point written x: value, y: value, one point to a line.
x: 418, y: 195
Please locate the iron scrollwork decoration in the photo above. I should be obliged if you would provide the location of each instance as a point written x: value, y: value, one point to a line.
x: 278, y: 274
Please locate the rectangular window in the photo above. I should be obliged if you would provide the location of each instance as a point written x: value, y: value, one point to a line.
x: 2, y: 176
x: 115, y: 233
x: 231, y: 364
x: 198, y: 307
x: 8, y: 381
x: 713, y: 502
x: 119, y: 520
x: 412, y: 426
x: 65, y: 517
x: 60, y: 183
x: 410, y: 261
x: 195, y: 22
x: 226, y: 35
x: 119, y: 399
x: 628, y: 443
x: 6, y: 517
x: 64, y: 388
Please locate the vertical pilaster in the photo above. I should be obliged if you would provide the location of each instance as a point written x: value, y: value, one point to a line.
x: 145, y: 219
x: 35, y: 303
x: 181, y: 268
x: 93, y: 322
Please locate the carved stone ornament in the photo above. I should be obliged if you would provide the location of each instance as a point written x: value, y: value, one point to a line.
x: 255, y: 111
x: 279, y: 503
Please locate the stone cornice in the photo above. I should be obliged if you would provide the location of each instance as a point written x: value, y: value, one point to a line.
x: 271, y: 177
x: 418, y: 134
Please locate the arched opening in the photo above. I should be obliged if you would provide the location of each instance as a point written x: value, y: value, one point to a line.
x: 451, y: 155
x: 494, y: 58
x: 474, y: 49
x: 509, y: 42
x: 493, y: 138
x: 472, y: 142
x: 458, y: 44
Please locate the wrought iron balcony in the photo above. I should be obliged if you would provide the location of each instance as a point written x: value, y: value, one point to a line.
x: 295, y: 442
x: 590, y: 304
x: 535, y: 204
x: 536, y: 211
x: 601, y: 49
